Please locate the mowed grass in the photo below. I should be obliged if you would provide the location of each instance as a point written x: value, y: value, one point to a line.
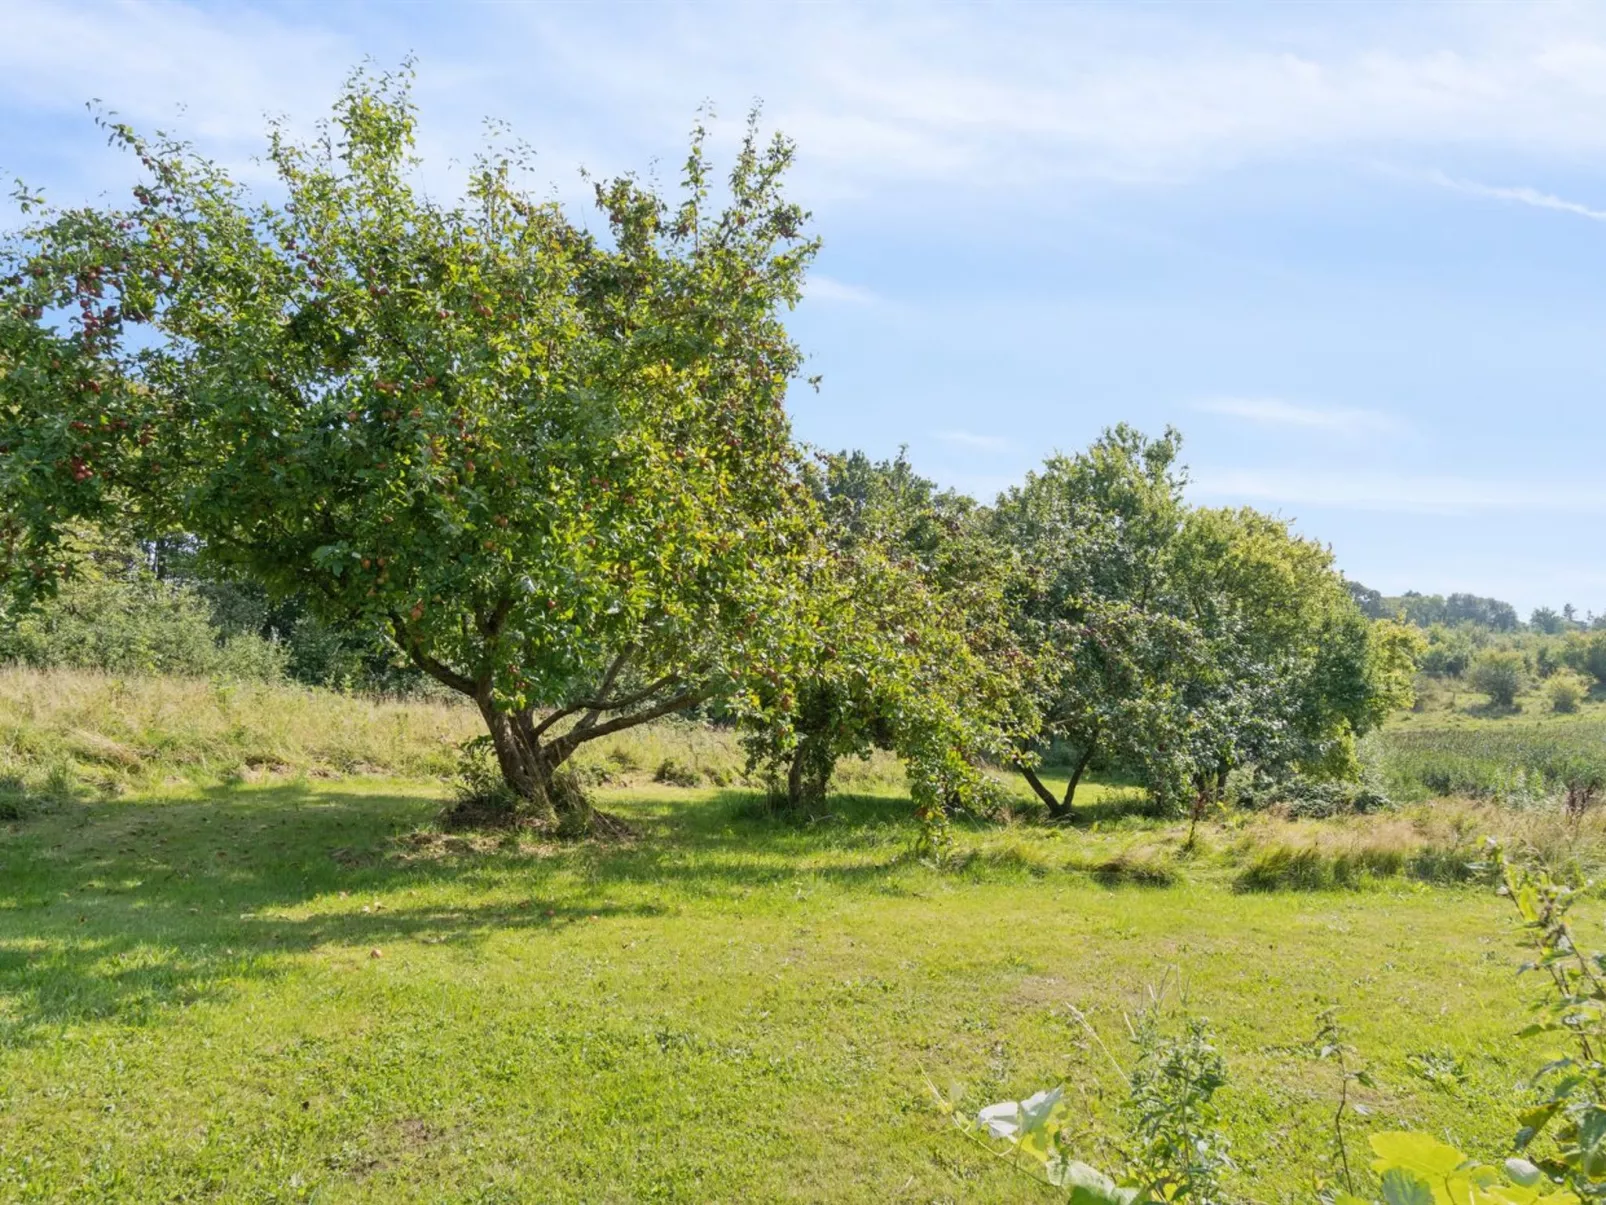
x: 301, y: 991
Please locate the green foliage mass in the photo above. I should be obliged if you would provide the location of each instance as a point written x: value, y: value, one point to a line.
x: 550, y: 468
x: 1565, y: 691
x: 1187, y: 642
x: 116, y: 615
x: 907, y: 646
x: 1500, y: 674
x: 553, y: 468
x: 1511, y: 761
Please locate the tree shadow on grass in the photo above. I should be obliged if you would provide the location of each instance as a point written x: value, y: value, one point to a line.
x: 131, y: 910
x: 1113, y: 809
x: 1492, y: 710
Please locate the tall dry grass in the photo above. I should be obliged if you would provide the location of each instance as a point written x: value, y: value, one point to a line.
x: 1442, y: 842
x: 66, y: 731
x: 112, y: 733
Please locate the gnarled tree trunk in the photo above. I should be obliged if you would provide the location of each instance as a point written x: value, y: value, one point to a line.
x: 808, y: 774
x: 1060, y: 809
x: 1076, y: 774
x: 530, y: 752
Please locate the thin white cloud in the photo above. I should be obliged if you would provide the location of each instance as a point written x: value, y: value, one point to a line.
x: 989, y: 97
x: 1520, y: 194
x: 825, y: 288
x: 223, y: 69
x: 980, y: 98
x: 969, y: 439
x: 1401, y: 493
x: 1276, y: 412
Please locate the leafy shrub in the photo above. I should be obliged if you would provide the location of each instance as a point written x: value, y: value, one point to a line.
x: 1565, y: 691
x: 1450, y: 651
x: 138, y: 626
x: 676, y: 773
x: 1171, y: 1113
x: 1587, y: 654
x: 1498, y: 673
x: 1307, y: 799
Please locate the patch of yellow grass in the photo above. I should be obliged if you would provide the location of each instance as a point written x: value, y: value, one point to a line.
x: 61, y: 728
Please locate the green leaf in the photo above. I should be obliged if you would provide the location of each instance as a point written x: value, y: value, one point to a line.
x: 1088, y: 1185
x: 1522, y: 1172
x: 1403, y: 1187
x: 1415, y: 1152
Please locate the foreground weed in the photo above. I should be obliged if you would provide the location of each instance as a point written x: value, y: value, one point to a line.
x: 1171, y: 1151
x: 1171, y: 1148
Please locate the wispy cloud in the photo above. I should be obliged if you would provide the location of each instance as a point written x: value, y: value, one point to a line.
x: 825, y: 288
x: 1522, y: 195
x: 225, y: 69
x: 980, y: 98
x: 1400, y: 493
x: 969, y: 439
x: 1276, y: 412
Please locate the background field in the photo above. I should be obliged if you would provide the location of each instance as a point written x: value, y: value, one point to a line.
x: 233, y: 968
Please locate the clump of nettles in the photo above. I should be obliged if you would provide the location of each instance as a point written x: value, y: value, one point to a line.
x: 1178, y: 1153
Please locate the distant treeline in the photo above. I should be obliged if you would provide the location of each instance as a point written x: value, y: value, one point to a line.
x: 1425, y: 610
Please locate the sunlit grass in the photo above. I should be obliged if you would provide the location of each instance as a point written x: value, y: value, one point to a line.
x: 302, y: 990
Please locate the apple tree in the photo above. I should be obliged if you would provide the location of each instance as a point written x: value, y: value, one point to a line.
x: 550, y: 464
x: 907, y: 645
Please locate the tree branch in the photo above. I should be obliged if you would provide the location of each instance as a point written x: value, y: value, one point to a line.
x: 1043, y: 792
x: 435, y: 669
x: 630, y: 700
x: 590, y: 718
x: 561, y: 713
x: 569, y: 741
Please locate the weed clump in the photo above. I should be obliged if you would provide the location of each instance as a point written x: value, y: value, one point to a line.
x: 1305, y: 799
x: 1141, y: 867
x: 675, y: 773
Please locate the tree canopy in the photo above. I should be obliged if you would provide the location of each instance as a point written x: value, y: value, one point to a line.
x: 1184, y: 642
x: 553, y: 466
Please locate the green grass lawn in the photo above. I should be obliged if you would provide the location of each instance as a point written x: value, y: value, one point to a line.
x: 303, y: 992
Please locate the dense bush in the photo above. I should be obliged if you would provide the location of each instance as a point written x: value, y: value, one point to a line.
x: 1305, y: 799
x: 1498, y: 673
x: 1587, y: 654
x: 1565, y: 691
x: 136, y: 624
x: 1451, y: 650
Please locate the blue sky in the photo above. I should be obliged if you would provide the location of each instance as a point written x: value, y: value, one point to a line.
x: 1357, y: 253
